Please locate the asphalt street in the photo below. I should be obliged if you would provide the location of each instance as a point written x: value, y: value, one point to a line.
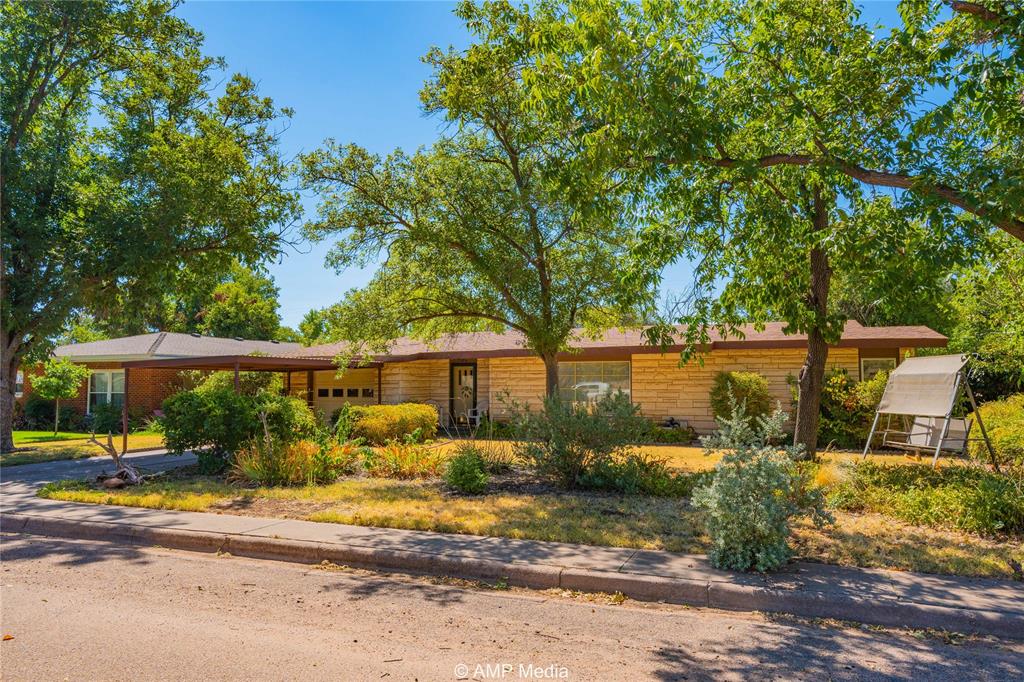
x: 98, y: 611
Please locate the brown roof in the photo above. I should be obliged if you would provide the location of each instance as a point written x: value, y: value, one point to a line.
x: 170, y: 345
x: 623, y: 342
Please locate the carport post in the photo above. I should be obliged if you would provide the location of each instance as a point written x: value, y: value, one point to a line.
x: 236, y: 376
x: 124, y: 414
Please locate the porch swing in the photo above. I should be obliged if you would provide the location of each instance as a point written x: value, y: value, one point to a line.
x: 923, y: 393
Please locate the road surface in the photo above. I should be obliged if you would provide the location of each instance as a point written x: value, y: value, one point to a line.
x: 86, y: 610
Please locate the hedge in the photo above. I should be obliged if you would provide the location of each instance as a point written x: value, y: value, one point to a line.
x: 1004, y: 422
x: 749, y: 388
x: 378, y: 424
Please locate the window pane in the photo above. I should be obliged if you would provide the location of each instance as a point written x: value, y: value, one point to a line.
x: 98, y: 382
x: 588, y: 381
x: 97, y: 399
x: 117, y: 382
x: 117, y: 399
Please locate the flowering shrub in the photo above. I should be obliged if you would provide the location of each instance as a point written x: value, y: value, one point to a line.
x: 757, y: 489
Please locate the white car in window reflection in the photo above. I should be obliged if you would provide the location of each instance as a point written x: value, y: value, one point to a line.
x: 591, y: 390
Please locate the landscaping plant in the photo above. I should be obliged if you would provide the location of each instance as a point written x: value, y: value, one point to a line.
x: 60, y: 380
x: 466, y: 471
x: 847, y: 408
x: 748, y: 388
x: 756, y: 491
x: 966, y: 498
x: 379, y: 424
x: 403, y: 460
x: 565, y: 440
x: 1004, y: 421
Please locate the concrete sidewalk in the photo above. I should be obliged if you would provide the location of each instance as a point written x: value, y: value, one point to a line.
x: 813, y: 590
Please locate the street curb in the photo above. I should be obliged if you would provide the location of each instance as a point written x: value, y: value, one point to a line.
x: 704, y: 593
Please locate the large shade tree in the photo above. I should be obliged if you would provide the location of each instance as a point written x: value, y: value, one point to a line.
x: 122, y: 168
x: 471, y: 233
x: 770, y: 136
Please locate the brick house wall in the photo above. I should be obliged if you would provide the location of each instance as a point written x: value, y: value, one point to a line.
x: 147, y: 388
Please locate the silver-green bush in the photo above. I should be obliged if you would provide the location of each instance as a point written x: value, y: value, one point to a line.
x: 757, y: 489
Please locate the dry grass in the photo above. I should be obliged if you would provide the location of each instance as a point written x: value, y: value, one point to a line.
x: 868, y: 540
x: 75, y: 449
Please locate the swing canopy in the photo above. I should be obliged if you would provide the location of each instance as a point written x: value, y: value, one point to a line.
x: 923, y: 386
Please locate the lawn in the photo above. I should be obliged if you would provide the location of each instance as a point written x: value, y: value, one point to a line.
x: 33, y: 449
x: 32, y: 437
x: 518, y: 510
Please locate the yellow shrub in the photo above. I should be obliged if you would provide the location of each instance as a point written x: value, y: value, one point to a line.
x: 379, y: 424
x: 828, y: 475
x: 404, y: 460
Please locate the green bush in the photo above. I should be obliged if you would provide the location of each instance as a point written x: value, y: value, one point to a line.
x: 1004, y: 422
x: 105, y: 418
x: 216, y: 422
x: 466, y: 471
x: 634, y: 473
x: 670, y: 435
x: 379, y: 424
x: 249, y: 383
x: 848, y: 407
x: 565, y: 440
x: 37, y: 415
x: 755, y: 492
x: 958, y: 497
x: 747, y: 388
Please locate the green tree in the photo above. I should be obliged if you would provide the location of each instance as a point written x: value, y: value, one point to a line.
x: 988, y: 313
x: 762, y: 135
x: 60, y: 380
x: 121, y: 169
x: 471, y: 232
x: 244, y: 306
x: 316, y: 325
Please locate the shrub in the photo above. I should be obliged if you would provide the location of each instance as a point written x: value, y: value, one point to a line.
x: 565, y: 440
x: 634, y: 473
x: 959, y: 497
x: 670, y: 435
x: 378, y: 424
x: 1004, y: 422
x: 270, y: 461
x: 105, y: 418
x: 37, y: 415
x: 747, y: 388
x: 403, y: 460
x: 249, y: 383
x: 467, y: 471
x: 848, y: 407
x: 216, y: 422
x: 755, y: 492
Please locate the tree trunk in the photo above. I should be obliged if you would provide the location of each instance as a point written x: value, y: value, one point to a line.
x: 550, y: 374
x: 9, y: 361
x: 812, y: 374
x: 56, y: 416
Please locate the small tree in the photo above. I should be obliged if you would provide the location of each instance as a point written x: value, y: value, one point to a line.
x: 61, y: 379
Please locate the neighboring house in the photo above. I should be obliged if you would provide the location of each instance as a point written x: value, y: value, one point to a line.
x: 474, y: 373
x: 148, y: 387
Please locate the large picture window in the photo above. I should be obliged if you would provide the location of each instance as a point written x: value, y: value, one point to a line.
x: 869, y: 367
x: 106, y: 387
x: 590, y: 381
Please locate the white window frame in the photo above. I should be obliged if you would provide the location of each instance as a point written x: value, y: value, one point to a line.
x: 110, y: 387
x: 628, y: 390
x: 19, y: 384
x: 864, y: 376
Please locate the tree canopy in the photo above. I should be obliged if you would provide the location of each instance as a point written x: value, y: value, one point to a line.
x: 470, y: 233
x: 123, y: 168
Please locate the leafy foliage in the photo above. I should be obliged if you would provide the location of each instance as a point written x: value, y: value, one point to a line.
x: 466, y: 471
x: 848, y: 406
x: 217, y: 422
x: 379, y: 424
x: 565, y: 440
x: 131, y: 167
x: 61, y: 380
x: 960, y: 497
x: 403, y: 460
x: 38, y: 413
x: 757, y: 489
x: 244, y: 306
x: 476, y: 235
x: 748, y: 388
x: 271, y: 461
x: 1004, y: 420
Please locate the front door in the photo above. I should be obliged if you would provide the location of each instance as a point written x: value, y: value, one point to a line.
x: 463, y: 392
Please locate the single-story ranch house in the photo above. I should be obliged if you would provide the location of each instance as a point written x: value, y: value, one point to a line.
x: 464, y: 375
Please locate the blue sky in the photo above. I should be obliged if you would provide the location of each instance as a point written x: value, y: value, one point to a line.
x: 352, y: 71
